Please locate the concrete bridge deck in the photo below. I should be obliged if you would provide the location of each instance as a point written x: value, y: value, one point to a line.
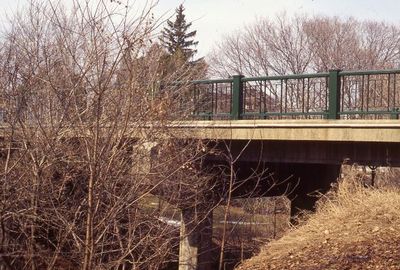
x: 365, y: 142
x: 293, y: 130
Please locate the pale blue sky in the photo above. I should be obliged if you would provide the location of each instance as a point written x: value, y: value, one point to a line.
x: 214, y: 18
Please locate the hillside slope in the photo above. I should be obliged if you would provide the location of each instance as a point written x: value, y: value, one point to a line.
x: 353, y: 228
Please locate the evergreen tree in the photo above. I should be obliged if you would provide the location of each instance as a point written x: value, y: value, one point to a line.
x: 175, y: 37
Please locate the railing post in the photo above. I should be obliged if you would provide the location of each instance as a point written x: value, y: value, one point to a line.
x: 334, y: 94
x: 237, y: 97
x: 395, y: 114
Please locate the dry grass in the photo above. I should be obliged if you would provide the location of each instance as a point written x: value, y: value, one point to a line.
x: 354, y: 227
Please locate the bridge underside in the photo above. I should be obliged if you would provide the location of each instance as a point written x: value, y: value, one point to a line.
x: 315, y: 152
x: 298, y: 168
x: 299, y: 182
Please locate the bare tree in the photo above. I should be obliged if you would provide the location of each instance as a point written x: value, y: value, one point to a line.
x: 83, y: 100
x: 306, y: 44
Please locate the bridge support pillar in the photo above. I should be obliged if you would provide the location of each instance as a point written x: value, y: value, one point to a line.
x: 195, y: 245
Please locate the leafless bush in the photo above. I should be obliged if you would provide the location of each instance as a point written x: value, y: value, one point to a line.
x: 81, y: 90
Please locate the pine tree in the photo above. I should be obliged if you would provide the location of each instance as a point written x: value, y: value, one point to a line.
x: 175, y: 37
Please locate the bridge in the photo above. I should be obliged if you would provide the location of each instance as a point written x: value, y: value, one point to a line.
x: 304, y: 126
x: 298, y: 127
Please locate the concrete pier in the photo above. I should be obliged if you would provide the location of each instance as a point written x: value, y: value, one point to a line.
x: 196, y: 240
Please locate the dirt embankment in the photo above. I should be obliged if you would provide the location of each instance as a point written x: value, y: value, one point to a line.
x: 353, y: 228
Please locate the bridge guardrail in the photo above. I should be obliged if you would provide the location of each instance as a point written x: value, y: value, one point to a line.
x: 370, y: 94
x: 336, y: 94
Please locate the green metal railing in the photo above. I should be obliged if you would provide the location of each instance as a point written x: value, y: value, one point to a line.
x: 332, y: 95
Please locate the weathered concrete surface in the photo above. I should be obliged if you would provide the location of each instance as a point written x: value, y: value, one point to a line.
x: 287, y: 130
x: 145, y: 156
x: 195, y: 240
x: 293, y: 130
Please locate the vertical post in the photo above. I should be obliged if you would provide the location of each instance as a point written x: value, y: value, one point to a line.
x: 189, y: 242
x: 195, y: 240
x: 395, y: 114
x: 205, y: 258
x: 237, y: 97
x: 334, y: 94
